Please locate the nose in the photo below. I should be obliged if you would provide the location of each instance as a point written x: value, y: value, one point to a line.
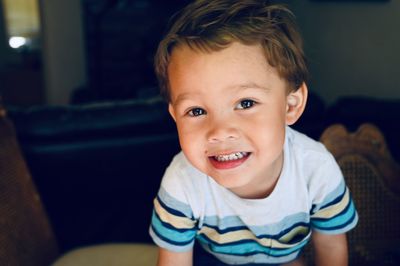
x: 222, y: 130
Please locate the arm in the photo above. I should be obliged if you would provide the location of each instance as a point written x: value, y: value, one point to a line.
x: 169, y: 258
x: 330, y: 249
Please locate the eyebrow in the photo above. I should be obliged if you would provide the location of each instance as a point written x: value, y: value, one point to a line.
x: 252, y: 85
x: 245, y: 86
x: 182, y: 97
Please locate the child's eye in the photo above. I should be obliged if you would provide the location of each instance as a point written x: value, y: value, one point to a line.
x: 196, y: 112
x: 245, y: 104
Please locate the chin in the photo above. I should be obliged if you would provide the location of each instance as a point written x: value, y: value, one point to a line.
x: 229, y: 182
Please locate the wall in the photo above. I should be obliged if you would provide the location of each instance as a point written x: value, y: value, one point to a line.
x: 21, y: 81
x: 353, y: 47
x: 3, y: 41
x: 63, y: 49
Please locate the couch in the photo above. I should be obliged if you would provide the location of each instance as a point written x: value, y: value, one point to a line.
x: 97, y: 167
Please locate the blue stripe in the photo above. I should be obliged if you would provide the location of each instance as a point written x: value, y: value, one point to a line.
x: 339, y: 218
x: 169, y: 241
x: 161, y: 243
x: 333, y: 202
x: 170, y: 234
x: 232, y: 223
x: 248, y: 247
x: 284, y: 232
x: 322, y: 227
x: 167, y: 200
x: 331, y: 199
x: 170, y: 226
x: 226, y: 230
x: 332, y: 196
x: 275, y: 237
x: 170, y: 210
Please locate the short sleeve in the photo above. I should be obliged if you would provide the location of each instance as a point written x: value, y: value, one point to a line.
x: 173, y: 226
x: 333, y: 210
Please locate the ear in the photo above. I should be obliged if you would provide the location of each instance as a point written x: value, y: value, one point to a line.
x: 295, y: 104
x: 171, y: 111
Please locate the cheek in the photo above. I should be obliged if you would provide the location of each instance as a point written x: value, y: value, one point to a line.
x: 189, y: 137
x: 192, y: 145
x: 268, y: 130
x: 267, y: 119
x: 270, y: 138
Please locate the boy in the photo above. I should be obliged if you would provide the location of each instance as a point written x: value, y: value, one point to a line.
x: 247, y: 187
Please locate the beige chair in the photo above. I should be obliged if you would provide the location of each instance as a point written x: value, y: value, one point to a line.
x: 373, y: 177
x: 26, y: 236
x: 111, y: 255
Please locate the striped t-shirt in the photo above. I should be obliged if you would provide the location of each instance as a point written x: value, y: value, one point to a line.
x: 310, y: 195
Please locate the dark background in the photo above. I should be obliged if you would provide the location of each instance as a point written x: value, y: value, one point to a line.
x: 102, y: 50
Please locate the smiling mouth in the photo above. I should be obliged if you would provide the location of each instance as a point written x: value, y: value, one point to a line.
x: 228, y: 161
x: 231, y: 157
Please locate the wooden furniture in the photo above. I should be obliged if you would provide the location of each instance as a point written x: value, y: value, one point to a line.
x: 373, y: 178
x: 26, y: 237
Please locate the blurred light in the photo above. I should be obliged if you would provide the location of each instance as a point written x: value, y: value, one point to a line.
x: 16, y: 42
x: 21, y: 17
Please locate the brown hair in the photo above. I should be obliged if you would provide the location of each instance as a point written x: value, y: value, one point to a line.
x: 214, y: 25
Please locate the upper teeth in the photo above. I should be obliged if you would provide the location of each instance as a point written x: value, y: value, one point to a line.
x: 229, y: 157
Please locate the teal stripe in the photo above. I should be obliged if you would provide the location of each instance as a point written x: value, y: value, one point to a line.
x: 168, y: 245
x: 170, y: 233
x: 246, y: 248
x: 274, y: 229
x: 342, y: 229
x: 336, y: 221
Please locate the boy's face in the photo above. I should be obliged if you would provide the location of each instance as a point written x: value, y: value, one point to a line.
x: 231, y: 108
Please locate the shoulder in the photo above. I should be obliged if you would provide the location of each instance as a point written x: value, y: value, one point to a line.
x: 181, y: 184
x: 320, y: 169
x: 311, y: 153
x: 306, y: 146
x: 180, y: 172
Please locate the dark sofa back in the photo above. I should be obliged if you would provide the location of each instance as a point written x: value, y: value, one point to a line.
x: 97, y: 167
